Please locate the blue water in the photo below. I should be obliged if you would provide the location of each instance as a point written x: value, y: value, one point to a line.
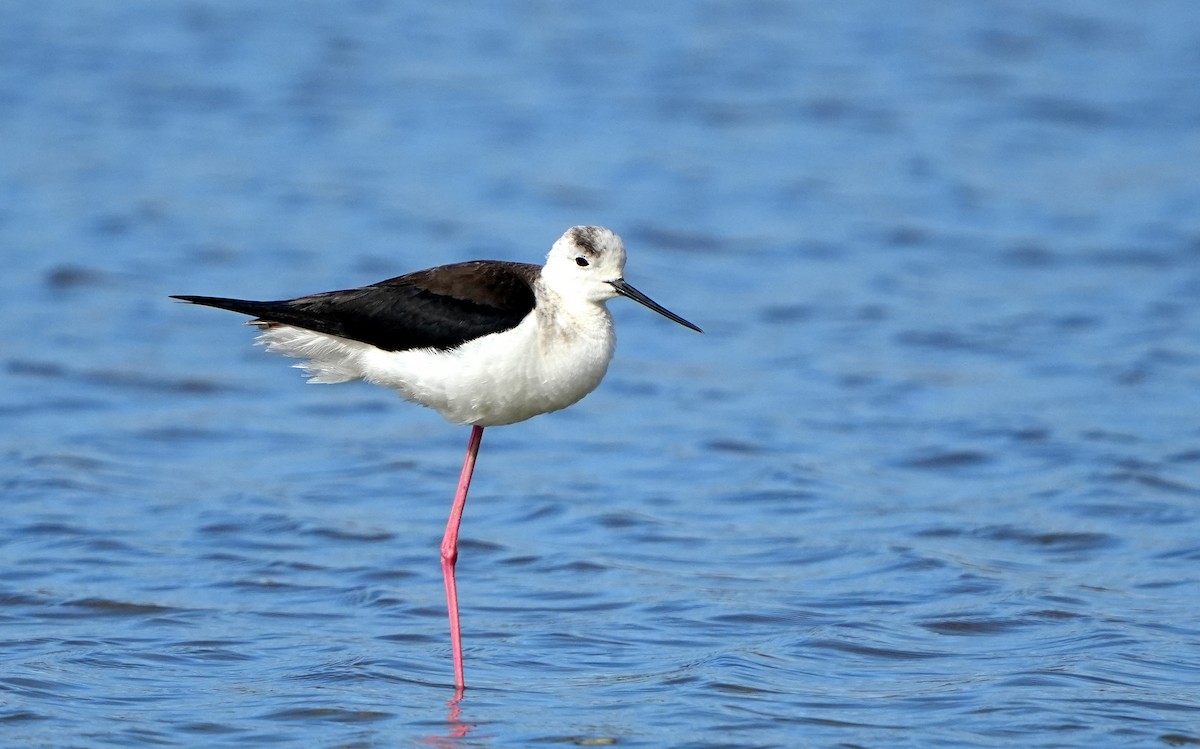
x: 931, y: 477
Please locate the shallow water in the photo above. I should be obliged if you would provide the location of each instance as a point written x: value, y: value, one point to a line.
x: 930, y: 478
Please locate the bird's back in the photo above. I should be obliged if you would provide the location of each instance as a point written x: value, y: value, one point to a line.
x: 439, y: 308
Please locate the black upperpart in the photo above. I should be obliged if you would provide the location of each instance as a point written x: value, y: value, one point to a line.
x: 439, y: 308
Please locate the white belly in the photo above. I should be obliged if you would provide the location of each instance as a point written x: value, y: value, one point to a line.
x: 534, y: 368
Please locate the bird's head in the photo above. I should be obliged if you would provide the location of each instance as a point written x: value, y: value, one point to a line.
x: 584, y: 262
x: 588, y: 262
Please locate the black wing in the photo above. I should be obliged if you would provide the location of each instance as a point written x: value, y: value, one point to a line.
x: 440, y: 308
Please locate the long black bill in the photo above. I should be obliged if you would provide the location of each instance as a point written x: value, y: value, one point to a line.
x: 625, y: 289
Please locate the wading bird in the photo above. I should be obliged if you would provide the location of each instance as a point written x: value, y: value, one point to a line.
x: 483, y: 343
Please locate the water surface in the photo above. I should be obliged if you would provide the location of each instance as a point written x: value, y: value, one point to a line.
x: 930, y: 478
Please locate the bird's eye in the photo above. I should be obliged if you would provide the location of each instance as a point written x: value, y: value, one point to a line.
x: 581, y: 262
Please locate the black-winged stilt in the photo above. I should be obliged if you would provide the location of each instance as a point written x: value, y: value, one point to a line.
x: 484, y: 343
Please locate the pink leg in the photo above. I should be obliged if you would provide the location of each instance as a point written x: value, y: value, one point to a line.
x: 450, y: 552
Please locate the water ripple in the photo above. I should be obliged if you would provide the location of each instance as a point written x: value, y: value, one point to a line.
x: 927, y: 480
